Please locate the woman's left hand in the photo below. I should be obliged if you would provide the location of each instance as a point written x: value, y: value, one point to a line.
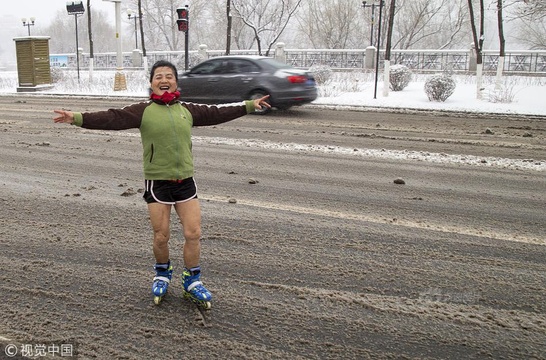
x: 261, y: 102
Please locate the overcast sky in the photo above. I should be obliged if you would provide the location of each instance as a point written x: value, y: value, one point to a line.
x: 45, y: 10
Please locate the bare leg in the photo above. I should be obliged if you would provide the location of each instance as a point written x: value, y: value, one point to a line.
x: 189, y: 213
x: 190, y: 217
x: 160, y: 219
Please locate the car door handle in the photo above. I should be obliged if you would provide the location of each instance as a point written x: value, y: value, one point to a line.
x: 246, y: 79
x: 213, y: 80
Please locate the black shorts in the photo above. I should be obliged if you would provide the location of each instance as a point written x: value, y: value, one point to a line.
x: 169, y: 191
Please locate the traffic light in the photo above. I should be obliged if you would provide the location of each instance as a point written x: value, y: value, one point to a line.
x: 183, y: 18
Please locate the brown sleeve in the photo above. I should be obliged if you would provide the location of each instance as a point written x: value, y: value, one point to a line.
x: 207, y: 115
x: 128, y: 117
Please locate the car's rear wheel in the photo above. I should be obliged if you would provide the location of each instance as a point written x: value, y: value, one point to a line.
x: 257, y: 95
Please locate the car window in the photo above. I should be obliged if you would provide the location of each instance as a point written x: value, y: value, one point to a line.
x: 228, y: 68
x: 274, y: 63
x: 207, y: 68
x: 242, y: 66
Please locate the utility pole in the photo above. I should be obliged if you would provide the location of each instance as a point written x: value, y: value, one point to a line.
x: 120, y: 82
x: 133, y: 16
x: 372, y: 5
x: 76, y: 8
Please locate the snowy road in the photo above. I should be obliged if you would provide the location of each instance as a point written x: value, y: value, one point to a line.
x: 309, y: 246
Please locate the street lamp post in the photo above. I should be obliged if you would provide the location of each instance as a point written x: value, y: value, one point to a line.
x: 120, y: 82
x: 131, y: 15
x: 76, y: 8
x: 28, y: 24
x: 372, y: 5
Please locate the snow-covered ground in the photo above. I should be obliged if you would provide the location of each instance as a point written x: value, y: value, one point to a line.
x: 528, y: 96
x: 346, y: 90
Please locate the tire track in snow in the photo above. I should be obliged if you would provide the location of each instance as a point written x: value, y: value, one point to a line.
x: 404, y: 155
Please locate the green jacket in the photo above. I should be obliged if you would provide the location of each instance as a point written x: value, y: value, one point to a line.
x: 165, y: 131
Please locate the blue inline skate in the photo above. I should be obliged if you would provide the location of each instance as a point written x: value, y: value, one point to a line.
x: 194, y: 289
x: 162, y: 280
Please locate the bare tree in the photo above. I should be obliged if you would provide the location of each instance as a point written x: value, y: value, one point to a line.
x: 425, y: 23
x: 61, y: 31
x: 386, y: 74
x: 533, y: 34
x: 266, y: 18
x: 478, y: 44
x: 502, y: 42
x: 390, y: 28
x: 242, y: 35
x: 158, y: 23
x: 160, y: 26
x: 531, y: 18
x: 329, y: 24
x: 228, y: 28
x: 143, y: 42
x: 455, y: 21
x: 208, y: 18
x: 90, y: 33
x: 535, y: 9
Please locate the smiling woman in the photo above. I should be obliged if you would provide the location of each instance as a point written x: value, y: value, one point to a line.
x: 164, y: 82
x: 168, y: 168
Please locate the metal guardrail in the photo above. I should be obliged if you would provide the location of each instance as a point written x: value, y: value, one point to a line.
x: 521, y: 61
x: 516, y: 61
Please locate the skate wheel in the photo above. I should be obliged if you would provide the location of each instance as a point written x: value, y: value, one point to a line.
x: 157, y: 299
x: 201, y: 303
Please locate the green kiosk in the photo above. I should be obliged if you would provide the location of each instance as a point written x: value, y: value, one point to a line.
x: 33, y: 67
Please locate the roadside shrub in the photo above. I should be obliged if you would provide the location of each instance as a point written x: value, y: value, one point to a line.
x: 57, y: 74
x: 321, y: 73
x: 399, y: 77
x: 345, y: 82
x: 504, y: 93
x: 439, y: 87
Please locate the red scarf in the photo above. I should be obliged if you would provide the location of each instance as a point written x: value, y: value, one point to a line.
x: 167, y: 97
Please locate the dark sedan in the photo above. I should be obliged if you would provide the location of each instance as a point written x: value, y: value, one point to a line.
x: 227, y: 79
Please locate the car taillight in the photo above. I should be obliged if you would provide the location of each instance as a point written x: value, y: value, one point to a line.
x: 297, y: 79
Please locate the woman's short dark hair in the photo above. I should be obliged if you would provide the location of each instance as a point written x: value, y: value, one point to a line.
x: 163, y: 63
